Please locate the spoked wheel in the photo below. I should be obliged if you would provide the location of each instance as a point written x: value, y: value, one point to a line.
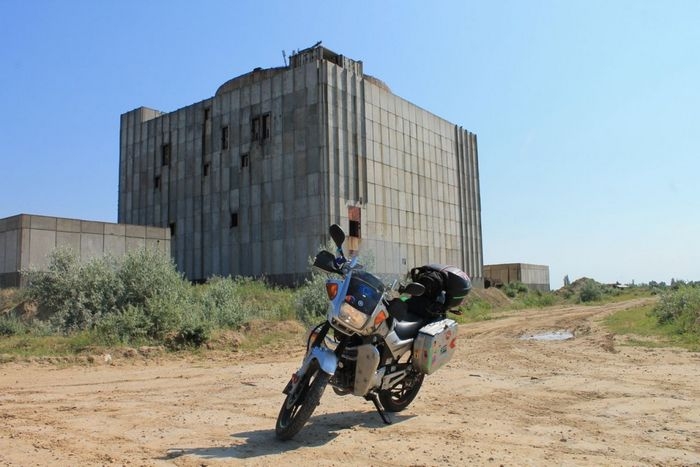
x: 398, y: 397
x: 300, y: 404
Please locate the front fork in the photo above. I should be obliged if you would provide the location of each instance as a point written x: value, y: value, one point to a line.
x: 326, y: 359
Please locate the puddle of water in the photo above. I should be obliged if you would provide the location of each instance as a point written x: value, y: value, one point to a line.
x: 549, y: 336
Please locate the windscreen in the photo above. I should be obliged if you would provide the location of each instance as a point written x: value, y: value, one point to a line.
x: 364, y: 292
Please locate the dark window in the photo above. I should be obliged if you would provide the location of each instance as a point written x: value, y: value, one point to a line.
x: 234, y: 220
x: 207, y: 113
x: 354, y: 217
x: 266, y: 126
x: 255, y: 129
x: 205, y: 169
x: 224, y: 138
x: 165, y: 154
x: 172, y: 229
x: 244, y: 160
x: 156, y: 182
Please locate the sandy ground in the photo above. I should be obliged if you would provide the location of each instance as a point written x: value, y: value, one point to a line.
x: 501, y: 401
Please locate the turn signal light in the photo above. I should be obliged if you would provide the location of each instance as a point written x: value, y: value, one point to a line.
x: 380, y: 318
x: 331, y: 290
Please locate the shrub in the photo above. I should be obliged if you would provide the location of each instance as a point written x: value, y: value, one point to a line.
x: 11, y: 326
x: 222, y: 305
x: 127, y: 326
x: 512, y: 289
x: 590, y: 291
x: 681, y: 307
x: 188, y: 336
x: 55, y: 288
x: 141, y: 296
x: 146, y: 274
x: 539, y: 299
x: 311, y: 299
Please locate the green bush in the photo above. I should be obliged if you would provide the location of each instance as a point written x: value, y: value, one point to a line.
x: 128, y: 326
x: 538, y: 299
x: 222, y: 305
x: 312, y: 300
x: 141, y: 296
x: 590, y: 291
x: 11, y: 326
x: 513, y: 289
x: 188, y: 336
x: 148, y: 274
x: 680, y: 306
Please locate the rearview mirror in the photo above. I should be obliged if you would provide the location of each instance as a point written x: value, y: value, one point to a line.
x: 337, y: 235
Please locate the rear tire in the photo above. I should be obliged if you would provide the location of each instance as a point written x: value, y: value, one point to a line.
x: 298, y: 406
x: 402, y: 394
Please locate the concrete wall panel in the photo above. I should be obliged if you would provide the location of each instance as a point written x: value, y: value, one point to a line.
x: 91, y: 246
x: 41, y: 244
x: 69, y: 240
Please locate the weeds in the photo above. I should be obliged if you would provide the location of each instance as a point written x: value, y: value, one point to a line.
x: 143, y: 300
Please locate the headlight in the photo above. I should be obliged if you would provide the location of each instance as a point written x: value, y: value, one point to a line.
x: 352, y: 317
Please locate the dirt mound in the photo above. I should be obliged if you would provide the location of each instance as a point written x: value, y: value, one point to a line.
x: 493, y: 296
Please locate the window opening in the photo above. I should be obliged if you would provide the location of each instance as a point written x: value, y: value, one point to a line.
x: 172, y: 229
x: 165, y: 154
x: 156, y: 182
x: 244, y: 161
x: 266, y: 126
x: 207, y: 113
x: 355, y: 222
x: 255, y: 129
x: 224, y: 138
x: 205, y: 169
x: 234, y: 220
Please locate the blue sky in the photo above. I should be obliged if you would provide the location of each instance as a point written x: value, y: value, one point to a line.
x: 587, y: 112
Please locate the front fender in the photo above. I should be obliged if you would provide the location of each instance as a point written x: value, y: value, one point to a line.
x: 327, y: 361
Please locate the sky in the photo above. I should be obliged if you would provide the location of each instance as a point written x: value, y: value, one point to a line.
x: 587, y: 112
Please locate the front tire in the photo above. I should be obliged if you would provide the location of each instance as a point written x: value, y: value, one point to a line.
x: 299, y: 405
x: 402, y: 394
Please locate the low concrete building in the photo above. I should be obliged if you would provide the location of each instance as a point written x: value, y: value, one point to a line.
x: 27, y: 240
x: 534, y: 276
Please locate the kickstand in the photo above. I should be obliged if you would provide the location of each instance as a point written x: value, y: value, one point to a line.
x: 382, y: 413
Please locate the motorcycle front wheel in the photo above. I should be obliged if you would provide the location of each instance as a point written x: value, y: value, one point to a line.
x: 402, y: 394
x: 300, y: 404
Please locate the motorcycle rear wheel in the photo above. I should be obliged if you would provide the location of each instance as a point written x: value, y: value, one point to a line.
x: 402, y: 394
x: 299, y: 405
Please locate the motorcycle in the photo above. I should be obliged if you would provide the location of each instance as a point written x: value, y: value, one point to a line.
x: 377, y: 342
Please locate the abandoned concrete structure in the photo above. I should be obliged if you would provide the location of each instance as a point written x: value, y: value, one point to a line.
x: 27, y: 240
x: 534, y: 276
x: 249, y: 180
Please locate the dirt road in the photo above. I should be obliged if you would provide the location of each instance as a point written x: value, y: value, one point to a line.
x: 501, y: 401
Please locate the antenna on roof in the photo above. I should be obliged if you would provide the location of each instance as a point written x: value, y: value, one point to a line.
x: 284, y: 57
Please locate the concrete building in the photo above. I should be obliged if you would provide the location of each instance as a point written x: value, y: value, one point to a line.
x: 26, y: 241
x: 534, y: 276
x: 249, y: 180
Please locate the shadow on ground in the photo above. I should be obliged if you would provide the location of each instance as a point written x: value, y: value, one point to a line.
x: 317, y: 432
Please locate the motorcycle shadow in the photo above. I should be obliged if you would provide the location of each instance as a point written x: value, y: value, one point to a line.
x: 318, y: 431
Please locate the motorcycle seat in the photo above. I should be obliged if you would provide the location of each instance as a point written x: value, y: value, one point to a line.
x: 409, y: 329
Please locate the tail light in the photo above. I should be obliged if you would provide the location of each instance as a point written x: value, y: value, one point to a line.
x: 331, y: 290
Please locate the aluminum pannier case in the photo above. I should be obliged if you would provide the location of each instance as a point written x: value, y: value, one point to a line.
x: 434, y: 345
